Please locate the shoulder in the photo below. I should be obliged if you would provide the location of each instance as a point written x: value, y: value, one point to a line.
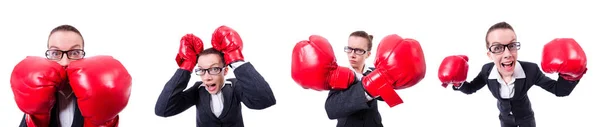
x: 526, y: 64
x: 529, y: 66
x: 369, y: 70
x: 488, y: 66
x: 230, y: 81
x: 198, y: 85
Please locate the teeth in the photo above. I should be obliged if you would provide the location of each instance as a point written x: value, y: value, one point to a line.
x: 507, y: 64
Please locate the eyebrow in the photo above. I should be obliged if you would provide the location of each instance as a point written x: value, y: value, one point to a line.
x: 511, y: 41
x: 356, y: 48
x: 72, y: 47
x: 211, y: 66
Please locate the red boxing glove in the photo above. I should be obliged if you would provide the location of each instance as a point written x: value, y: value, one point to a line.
x: 400, y: 64
x: 229, y: 42
x: 453, y: 70
x: 102, y: 86
x: 189, y: 48
x: 34, y: 82
x: 565, y: 56
x: 314, y: 66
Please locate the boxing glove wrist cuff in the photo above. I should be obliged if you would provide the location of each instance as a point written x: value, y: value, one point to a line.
x: 237, y: 64
x: 369, y: 98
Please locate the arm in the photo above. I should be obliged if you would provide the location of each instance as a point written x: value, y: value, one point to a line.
x: 173, y: 100
x: 475, y: 84
x: 251, y: 87
x: 23, y: 124
x: 342, y: 103
x: 559, y: 88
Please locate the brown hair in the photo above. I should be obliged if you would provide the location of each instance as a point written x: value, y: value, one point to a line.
x: 500, y: 25
x: 213, y: 51
x: 66, y: 28
x: 365, y: 35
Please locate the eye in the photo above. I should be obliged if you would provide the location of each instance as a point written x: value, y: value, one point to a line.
x: 54, y: 53
x: 74, y: 53
x: 497, y: 47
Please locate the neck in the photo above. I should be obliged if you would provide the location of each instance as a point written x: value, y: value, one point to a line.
x: 359, y: 68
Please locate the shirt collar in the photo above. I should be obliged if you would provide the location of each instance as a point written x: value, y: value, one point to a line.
x: 66, y: 92
x: 365, y: 69
x: 518, y: 74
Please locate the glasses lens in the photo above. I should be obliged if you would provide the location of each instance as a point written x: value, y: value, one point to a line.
x: 75, y: 54
x: 54, y: 54
x: 514, y: 46
x: 214, y: 70
x: 199, y: 71
x: 347, y: 49
x: 497, y: 48
x: 359, y: 51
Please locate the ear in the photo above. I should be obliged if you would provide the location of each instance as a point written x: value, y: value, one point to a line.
x: 490, y: 56
x: 368, y: 54
x: 226, y: 70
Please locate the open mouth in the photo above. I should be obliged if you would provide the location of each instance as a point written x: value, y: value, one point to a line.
x: 508, y: 66
x: 211, y: 87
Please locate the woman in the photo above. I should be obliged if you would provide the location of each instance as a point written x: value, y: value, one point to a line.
x: 353, y: 106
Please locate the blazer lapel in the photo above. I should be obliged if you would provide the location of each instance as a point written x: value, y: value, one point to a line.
x: 77, y: 116
x: 494, y: 87
x: 205, y: 100
x: 227, y: 98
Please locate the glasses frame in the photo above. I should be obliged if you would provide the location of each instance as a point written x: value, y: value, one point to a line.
x: 201, y: 72
x: 62, y: 53
x: 504, y: 47
x: 348, y: 49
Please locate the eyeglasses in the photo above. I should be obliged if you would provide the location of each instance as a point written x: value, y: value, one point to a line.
x: 499, y: 48
x: 355, y: 50
x: 211, y: 71
x: 73, y: 54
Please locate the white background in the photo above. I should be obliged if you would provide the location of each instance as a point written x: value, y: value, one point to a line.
x: 145, y: 35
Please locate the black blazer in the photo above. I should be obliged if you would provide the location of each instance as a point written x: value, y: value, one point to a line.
x: 351, y: 107
x: 77, y: 118
x: 519, y: 105
x: 248, y: 87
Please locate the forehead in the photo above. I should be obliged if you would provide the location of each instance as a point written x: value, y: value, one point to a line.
x: 357, y: 42
x: 64, y: 40
x: 503, y: 36
x: 209, y: 60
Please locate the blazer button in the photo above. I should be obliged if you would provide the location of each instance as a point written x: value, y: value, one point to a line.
x: 510, y: 113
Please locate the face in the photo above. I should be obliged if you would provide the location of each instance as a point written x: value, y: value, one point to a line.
x: 358, y: 44
x: 502, y: 50
x: 213, y: 75
x: 64, y: 41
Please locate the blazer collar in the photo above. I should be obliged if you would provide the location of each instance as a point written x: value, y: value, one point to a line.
x: 518, y: 74
x: 227, y: 93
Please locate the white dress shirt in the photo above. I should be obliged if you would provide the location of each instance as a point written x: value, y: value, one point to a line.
x: 359, y: 76
x: 66, y: 107
x: 216, y: 101
x: 507, y: 89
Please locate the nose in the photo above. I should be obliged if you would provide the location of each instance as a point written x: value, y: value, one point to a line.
x: 206, y: 77
x: 64, y: 61
x: 506, y: 53
x: 353, y: 55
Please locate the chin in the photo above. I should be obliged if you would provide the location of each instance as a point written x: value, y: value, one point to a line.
x: 507, y: 73
x: 213, y: 92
